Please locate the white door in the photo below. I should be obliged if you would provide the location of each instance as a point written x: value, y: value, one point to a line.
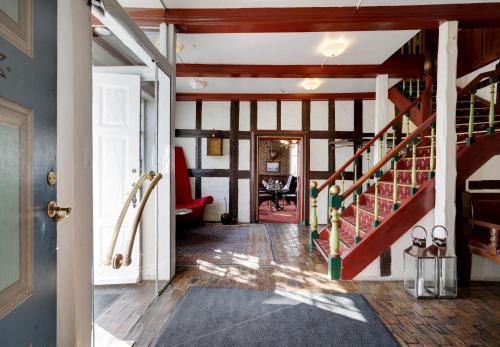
x: 116, y: 166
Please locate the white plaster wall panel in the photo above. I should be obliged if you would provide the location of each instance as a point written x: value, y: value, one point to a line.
x: 344, y: 115
x: 368, y: 116
x: 291, y: 115
x: 319, y: 115
x: 244, y: 155
x: 244, y: 200
x: 342, y: 155
x: 215, y: 161
x: 319, y: 155
x: 185, y: 114
x: 483, y: 92
x: 244, y: 116
x: 188, y: 144
x: 489, y: 171
x: 266, y: 115
x: 215, y: 115
x: 218, y: 188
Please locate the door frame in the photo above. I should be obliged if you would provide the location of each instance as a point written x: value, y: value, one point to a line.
x: 301, y: 135
x: 74, y: 153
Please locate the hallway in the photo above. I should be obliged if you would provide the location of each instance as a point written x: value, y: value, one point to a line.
x: 278, y: 259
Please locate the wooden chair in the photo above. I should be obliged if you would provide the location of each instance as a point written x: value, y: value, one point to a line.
x: 482, y: 224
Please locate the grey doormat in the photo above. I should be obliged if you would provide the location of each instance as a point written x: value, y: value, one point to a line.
x: 103, y: 300
x: 239, y: 317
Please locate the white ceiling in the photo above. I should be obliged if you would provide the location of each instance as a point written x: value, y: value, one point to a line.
x: 370, y: 47
x: 285, y: 3
x: 279, y: 85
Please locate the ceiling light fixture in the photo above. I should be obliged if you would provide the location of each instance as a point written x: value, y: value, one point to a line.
x: 197, y: 84
x: 311, y: 83
x: 102, y: 31
x: 333, y: 48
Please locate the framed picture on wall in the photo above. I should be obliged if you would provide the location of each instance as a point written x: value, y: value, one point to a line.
x: 273, y: 166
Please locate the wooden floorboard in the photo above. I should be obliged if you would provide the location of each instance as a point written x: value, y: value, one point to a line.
x: 471, y: 320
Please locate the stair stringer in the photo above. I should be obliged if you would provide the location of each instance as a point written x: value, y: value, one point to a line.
x: 389, y: 231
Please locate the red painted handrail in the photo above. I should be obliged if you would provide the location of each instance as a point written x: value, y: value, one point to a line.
x: 423, y: 96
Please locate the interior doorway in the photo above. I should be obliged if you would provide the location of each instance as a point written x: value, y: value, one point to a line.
x: 278, y: 176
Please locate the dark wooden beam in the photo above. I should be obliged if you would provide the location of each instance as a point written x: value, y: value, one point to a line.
x: 331, y: 137
x: 397, y: 66
x: 271, y: 97
x: 318, y: 19
x: 253, y: 115
x: 484, y: 184
x: 234, y: 122
x: 197, y: 180
x: 278, y: 115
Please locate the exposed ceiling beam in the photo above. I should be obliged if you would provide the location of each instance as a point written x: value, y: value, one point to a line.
x: 396, y: 66
x: 318, y: 19
x: 263, y: 97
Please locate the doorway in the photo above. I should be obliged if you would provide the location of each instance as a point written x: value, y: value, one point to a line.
x: 278, y: 175
x: 132, y: 130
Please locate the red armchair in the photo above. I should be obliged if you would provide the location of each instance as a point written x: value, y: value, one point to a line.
x: 183, y: 191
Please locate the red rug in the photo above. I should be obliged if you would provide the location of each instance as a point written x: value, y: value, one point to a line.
x: 287, y: 216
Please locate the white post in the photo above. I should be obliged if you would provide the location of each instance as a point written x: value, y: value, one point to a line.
x: 446, y: 158
x: 381, y: 113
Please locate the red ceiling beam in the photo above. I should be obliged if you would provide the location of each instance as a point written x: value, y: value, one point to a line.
x: 396, y: 66
x: 267, y: 97
x: 318, y: 19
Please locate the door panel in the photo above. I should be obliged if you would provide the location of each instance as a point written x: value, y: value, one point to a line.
x: 28, y: 91
x: 116, y: 166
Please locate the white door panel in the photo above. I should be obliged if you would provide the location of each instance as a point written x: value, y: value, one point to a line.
x: 116, y: 166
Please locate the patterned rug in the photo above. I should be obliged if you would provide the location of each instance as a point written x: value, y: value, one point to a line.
x: 247, y: 244
x: 287, y: 216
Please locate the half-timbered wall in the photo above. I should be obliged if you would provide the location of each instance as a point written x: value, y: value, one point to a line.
x: 228, y: 176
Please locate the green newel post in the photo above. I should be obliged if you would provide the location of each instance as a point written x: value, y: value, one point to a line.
x: 334, y: 259
x: 314, y: 215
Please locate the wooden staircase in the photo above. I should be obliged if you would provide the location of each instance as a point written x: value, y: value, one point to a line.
x: 397, y: 191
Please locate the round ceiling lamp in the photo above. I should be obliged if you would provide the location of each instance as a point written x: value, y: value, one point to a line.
x: 311, y: 83
x: 333, y: 48
x: 198, y: 84
x: 179, y: 47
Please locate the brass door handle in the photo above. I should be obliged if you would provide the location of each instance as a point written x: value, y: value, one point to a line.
x: 57, y: 213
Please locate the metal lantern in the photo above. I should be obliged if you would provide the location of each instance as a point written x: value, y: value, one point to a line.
x: 419, y: 267
x: 446, y: 265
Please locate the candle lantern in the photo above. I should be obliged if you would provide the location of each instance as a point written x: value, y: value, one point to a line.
x: 446, y: 264
x: 419, y: 267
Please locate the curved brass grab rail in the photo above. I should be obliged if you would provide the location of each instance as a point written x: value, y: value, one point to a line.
x: 116, y: 231
x: 119, y: 259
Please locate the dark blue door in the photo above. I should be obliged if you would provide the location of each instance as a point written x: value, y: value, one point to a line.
x: 28, y: 71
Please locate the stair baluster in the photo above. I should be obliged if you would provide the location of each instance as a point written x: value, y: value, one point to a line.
x: 314, y: 215
x: 334, y: 260
x: 357, y: 239
x: 470, y: 138
x: 432, y: 159
x: 413, y: 188
x: 367, y: 166
x: 378, y: 174
x: 411, y: 90
x: 491, y: 127
x: 342, y: 206
x: 395, y: 205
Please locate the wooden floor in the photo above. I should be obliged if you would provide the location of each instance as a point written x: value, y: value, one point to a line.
x: 471, y: 320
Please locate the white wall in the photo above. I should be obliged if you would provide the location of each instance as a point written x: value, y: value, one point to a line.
x: 483, y: 92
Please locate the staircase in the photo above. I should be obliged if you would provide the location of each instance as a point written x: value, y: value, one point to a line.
x: 398, y: 190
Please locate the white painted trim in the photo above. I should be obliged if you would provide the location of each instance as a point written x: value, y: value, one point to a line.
x: 74, y: 170
x: 147, y: 73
